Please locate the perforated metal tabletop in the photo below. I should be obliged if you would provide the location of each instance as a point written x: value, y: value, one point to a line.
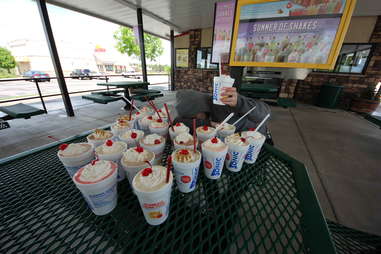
x: 266, y: 208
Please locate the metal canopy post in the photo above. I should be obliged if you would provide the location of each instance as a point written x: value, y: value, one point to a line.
x: 54, y: 55
x: 141, y: 44
x: 172, y: 36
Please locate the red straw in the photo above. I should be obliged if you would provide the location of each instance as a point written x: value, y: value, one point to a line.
x: 132, y: 103
x: 169, y: 116
x: 169, y: 164
x: 194, y: 134
x: 154, y: 108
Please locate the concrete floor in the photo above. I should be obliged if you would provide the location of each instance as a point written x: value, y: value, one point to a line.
x: 340, y: 150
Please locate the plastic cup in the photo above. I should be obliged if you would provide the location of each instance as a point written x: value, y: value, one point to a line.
x: 155, y: 204
x: 182, y: 146
x: 223, y: 133
x: 213, y: 162
x: 186, y: 173
x: 72, y: 164
x: 173, y: 134
x: 132, y: 169
x: 157, y: 149
x: 98, y: 142
x: 203, y: 136
x: 254, y: 148
x: 162, y: 131
x: 130, y: 141
x: 101, y: 196
x: 119, y: 131
x: 115, y: 158
x: 235, y: 157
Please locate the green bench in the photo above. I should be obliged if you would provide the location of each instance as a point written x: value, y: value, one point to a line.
x: 100, y: 98
x: 146, y: 97
x: 109, y: 92
x: 20, y: 110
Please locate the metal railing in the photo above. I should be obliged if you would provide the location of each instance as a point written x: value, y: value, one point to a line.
x: 104, y: 77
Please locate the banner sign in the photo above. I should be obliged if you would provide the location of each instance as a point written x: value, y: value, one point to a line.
x: 136, y: 33
x: 222, y: 31
x: 182, y: 58
x: 294, y: 33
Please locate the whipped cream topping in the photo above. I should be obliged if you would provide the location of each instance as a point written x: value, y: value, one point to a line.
x: 126, y: 117
x: 156, y: 124
x: 214, y: 143
x: 128, y: 135
x: 74, y: 149
x: 146, y: 109
x: 185, y: 155
x: 100, y: 134
x: 227, y: 127
x: 139, y: 115
x: 115, y: 147
x: 121, y: 124
x: 180, y: 127
x: 150, y: 139
x: 163, y: 112
x: 146, y: 120
x: 133, y: 155
x: 153, y: 181
x: 236, y: 139
x: 251, y: 134
x: 184, y: 138
x: 202, y: 129
x: 95, y: 171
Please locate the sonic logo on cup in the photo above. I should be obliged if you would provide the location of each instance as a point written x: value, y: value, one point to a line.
x: 154, y: 205
x: 249, y: 155
x: 217, y: 167
x: 194, y: 178
x: 216, y: 90
x: 234, y: 160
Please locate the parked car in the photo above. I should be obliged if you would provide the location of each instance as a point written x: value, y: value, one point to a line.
x: 81, y: 74
x: 131, y: 73
x: 98, y: 75
x: 37, y: 75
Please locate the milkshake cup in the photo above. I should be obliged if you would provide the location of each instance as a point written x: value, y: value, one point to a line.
x: 154, y: 193
x: 120, y: 127
x: 113, y: 151
x: 154, y: 143
x: 132, y: 137
x: 186, y: 164
x: 159, y: 127
x: 139, y: 115
x: 256, y: 141
x: 226, y: 130
x: 146, y: 111
x: 163, y: 114
x: 145, y: 122
x: 97, y: 183
x: 184, y: 141
x: 76, y: 155
x: 237, y: 151
x: 177, y: 129
x: 98, y: 137
x: 131, y: 121
x: 135, y: 159
x: 214, y: 153
x: 205, y: 132
x: 219, y: 83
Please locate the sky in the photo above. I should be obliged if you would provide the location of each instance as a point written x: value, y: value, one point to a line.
x: 20, y: 19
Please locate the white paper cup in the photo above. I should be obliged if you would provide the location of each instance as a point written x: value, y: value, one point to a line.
x: 72, y: 164
x: 173, y: 134
x: 202, y: 136
x: 114, y: 158
x: 222, y: 134
x: 157, y: 150
x: 254, y: 148
x: 155, y: 205
x: 143, y: 127
x: 213, y: 162
x: 181, y: 146
x: 220, y: 82
x: 100, y: 196
x: 235, y: 157
x: 119, y: 131
x: 160, y: 131
x: 186, y: 173
x: 98, y: 142
x: 132, y: 170
x: 129, y: 141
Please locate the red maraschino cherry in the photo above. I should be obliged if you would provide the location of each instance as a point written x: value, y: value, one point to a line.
x: 243, y: 140
x: 178, y: 124
x: 159, y: 120
x: 214, y: 140
x: 139, y: 149
x: 109, y: 142
x: 184, y: 152
x: 147, y: 171
x: 63, y: 147
x: 134, y: 135
x: 205, y: 127
x: 251, y: 129
x: 157, y: 141
x: 150, y: 117
x: 137, y: 113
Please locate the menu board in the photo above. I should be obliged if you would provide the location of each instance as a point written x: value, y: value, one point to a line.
x: 222, y: 31
x: 295, y: 33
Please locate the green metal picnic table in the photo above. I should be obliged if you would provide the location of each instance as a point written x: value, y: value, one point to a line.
x: 268, y: 207
x: 126, y: 85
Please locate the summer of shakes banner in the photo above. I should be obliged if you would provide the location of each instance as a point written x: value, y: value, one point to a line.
x: 286, y: 41
x: 223, y: 26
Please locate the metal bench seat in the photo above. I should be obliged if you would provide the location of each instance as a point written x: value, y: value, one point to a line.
x: 21, y: 110
x: 99, y: 98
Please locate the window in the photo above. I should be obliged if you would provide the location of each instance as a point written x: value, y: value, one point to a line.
x: 353, y: 58
x: 203, y: 59
x: 109, y: 67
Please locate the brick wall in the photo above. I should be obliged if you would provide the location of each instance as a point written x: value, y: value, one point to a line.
x: 308, y: 90
x: 192, y: 78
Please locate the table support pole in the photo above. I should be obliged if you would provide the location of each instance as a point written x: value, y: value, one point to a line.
x: 173, y: 86
x: 141, y: 44
x: 54, y: 55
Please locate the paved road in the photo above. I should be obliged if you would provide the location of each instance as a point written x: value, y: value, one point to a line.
x: 20, y: 89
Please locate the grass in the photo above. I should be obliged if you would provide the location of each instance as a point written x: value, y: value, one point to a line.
x: 4, y: 74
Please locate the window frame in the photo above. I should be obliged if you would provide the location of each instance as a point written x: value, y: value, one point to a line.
x: 206, y: 60
x: 373, y: 45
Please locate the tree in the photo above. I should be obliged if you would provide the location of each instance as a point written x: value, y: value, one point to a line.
x: 126, y: 44
x: 7, y: 61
